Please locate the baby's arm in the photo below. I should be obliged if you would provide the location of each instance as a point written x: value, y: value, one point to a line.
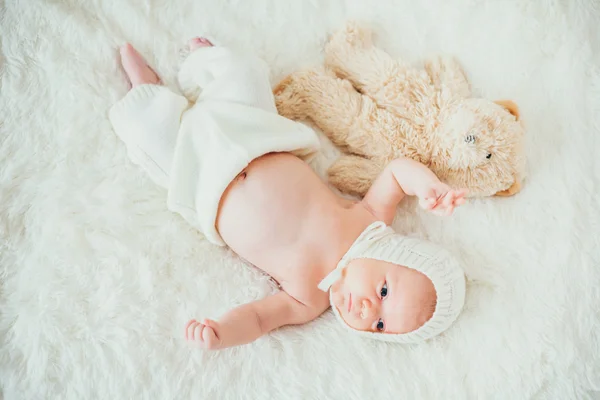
x: 248, y: 322
x: 404, y: 176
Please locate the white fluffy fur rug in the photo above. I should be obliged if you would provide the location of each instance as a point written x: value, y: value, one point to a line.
x: 98, y: 278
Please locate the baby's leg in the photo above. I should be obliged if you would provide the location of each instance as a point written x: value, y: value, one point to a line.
x: 216, y: 73
x: 147, y: 119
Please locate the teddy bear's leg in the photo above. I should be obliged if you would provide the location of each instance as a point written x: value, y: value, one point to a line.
x: 448, y: 72
x: 292, y: 94
x: 350, y: 120
x: 354, y: 175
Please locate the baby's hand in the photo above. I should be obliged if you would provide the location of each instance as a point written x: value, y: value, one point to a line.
x: 440, y: 199
x: 205, y: 333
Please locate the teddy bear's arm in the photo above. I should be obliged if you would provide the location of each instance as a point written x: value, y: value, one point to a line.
x: 446, y: 71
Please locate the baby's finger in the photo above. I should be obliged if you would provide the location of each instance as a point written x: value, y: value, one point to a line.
x: 208, y: 333
x: 428, y: 194
x: 448, y: 199
x: 443, y: 202
x: 460, y: 201
x: 189, y: 329
x: 427, y: 204
x: 210, y: 338
x: 198, y: 332
x: 209, y: 322
x: 449, y: 211
x: 441, y: 189
x: 438, y: 207
x: 455, y: 198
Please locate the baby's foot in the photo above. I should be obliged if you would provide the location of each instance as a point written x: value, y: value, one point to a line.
x: 136, y: 68
x: 199, y: 42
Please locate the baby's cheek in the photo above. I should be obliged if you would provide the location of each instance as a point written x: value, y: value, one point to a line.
x: 356, y: 323
x: 336, y: 298
x: 355, y: 279
x: 337, y: 286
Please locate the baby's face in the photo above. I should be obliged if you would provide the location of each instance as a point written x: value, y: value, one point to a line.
x: 378, y: 296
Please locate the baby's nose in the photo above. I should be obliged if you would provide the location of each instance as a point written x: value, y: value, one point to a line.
x: 366, y: 308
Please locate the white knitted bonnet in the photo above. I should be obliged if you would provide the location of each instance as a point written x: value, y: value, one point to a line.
x: 380, y: 242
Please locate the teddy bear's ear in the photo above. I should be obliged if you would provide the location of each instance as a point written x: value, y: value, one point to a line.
x: 510, y: 106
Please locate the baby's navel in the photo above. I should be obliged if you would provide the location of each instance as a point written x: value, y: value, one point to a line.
x: 276, y: 282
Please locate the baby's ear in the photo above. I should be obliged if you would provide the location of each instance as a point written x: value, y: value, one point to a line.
x: 510, y: 106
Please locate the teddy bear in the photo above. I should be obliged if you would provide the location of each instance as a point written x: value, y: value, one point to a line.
x: 376, y: 108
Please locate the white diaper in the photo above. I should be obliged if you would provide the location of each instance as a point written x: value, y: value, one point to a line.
x: 195, y: 151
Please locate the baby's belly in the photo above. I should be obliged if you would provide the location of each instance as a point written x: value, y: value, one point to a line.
x: 268, y: 214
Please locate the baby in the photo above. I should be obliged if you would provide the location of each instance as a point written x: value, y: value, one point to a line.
x: 237, y: 171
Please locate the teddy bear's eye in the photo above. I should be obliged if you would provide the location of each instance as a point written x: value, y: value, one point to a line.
x: 489, y: 156
x: 470, y: 139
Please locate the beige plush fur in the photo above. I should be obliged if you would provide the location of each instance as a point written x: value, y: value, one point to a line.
x: 377, y: 108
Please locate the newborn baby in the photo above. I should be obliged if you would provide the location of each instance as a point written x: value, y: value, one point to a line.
x: 237, y: 171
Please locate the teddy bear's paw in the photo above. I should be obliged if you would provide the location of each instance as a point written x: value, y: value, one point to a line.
x: 346, y: 183
x: 291, y: 96
x: 353, y: 174
x: 353, y: 34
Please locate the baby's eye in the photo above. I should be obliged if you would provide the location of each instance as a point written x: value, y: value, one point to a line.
x: 380, y: 325
x: 383, y: 291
